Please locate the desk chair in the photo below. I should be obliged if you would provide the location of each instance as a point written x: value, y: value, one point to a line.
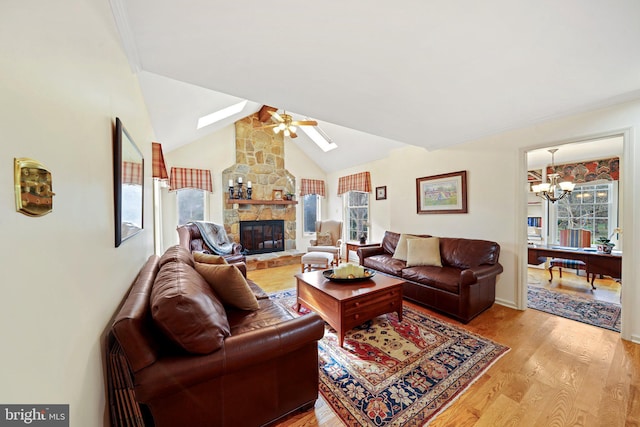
x: 574, y: 238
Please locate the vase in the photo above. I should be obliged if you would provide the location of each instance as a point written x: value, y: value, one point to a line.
x: 604, y: 248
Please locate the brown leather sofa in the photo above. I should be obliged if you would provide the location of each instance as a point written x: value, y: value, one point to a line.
x: 462, y: 288
x: 243, y: 368
x: 191, y: 239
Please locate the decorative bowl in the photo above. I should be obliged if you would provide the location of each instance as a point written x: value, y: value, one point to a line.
x: 328, y: 273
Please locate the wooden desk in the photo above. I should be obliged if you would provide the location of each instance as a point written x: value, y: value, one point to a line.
x: 596, y: 263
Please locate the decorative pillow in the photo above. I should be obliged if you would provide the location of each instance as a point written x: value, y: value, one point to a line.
x: 185, y: 308
x: 229, y: 284
x: 208, y: 258
x: 424, y: 251
x: 324, y: 239
x: 401, y: 248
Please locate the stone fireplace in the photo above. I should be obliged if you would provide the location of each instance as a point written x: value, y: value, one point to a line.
x: 260, y: 159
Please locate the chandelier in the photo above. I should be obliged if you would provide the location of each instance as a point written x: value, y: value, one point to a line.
x: 553, y: 190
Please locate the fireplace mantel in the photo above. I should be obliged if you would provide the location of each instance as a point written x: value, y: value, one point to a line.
x: 261, y: 202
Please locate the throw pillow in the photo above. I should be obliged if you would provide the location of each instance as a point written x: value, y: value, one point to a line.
x: 401, y: 248
x: 208, y: 258
x: 425, y: 251
x: 324, y: 239
x: 229, y: 284
x: 185, y: 308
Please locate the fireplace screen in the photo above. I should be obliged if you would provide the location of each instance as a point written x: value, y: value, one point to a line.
x: 258, y: 237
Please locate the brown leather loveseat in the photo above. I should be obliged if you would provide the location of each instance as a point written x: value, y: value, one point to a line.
x: 198, y: 362
x: 463, y: 287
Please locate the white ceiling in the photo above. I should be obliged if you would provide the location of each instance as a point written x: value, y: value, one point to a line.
x: 377, y: 75
x: 577, y: 152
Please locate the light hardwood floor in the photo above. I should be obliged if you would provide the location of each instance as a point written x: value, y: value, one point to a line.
x: 606, y: 289
x: 557, y: 373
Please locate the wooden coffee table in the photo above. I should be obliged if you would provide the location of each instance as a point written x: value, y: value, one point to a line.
x: 347, y: 305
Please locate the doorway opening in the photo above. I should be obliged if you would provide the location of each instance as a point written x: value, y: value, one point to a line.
x: 593, y: 209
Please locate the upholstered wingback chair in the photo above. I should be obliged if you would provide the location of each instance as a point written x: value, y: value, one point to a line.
x: 328, y: 239
x: 574, y: 238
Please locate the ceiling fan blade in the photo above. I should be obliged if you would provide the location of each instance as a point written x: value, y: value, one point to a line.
x: 275, y: 115
x: 305, y: 123
x: 269, y: 126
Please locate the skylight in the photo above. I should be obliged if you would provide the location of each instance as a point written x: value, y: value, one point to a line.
x: 321, y: 140
x: 212, y: 118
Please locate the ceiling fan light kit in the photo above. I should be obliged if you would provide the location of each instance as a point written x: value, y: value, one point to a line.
x: 284, y: 123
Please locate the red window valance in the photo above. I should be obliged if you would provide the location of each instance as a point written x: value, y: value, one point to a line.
x: 605, y: 169
x: 132, y: 173
x: 356, y: 182
x: 158, y: 166
x: 190, y: 178
x: 312, y: 186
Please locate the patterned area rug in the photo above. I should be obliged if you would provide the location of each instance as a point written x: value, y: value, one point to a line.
x: 597, y: 313
x: 398, y: 374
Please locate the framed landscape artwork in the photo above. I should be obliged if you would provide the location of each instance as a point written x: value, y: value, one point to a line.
x: 442, y: 194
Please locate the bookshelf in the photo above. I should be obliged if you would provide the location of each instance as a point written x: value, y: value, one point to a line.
x: 535, y: 230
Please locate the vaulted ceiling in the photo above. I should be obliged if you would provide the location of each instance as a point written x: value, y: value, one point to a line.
x: 378, y: 75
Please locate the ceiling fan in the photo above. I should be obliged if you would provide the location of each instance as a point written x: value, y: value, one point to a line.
x: 285, y: 123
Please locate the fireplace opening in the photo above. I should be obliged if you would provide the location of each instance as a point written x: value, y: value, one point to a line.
x: 259, y: 237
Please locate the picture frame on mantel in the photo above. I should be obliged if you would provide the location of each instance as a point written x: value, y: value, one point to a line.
x: 442, y: 194
x: 128, y: 185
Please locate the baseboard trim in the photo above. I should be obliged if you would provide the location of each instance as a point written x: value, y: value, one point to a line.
x: 506, y: 303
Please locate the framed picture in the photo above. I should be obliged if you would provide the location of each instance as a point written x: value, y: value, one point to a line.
x: 442, y: 194
x: 381, y: 193
x: 277, y: 195
x: 128, y: 185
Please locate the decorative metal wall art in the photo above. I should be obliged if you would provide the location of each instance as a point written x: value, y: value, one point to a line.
x: 34, y: 194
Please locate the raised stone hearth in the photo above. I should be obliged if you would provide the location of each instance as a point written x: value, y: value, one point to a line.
x: 259, y: 159
x: 273, y: 259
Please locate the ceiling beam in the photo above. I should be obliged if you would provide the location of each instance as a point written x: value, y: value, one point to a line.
x: 263, y: 114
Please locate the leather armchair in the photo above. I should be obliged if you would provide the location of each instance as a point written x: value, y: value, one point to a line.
x: 191, y: 239
x: 332, y: 229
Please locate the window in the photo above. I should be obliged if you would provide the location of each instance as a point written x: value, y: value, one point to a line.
x: 192, y: 204
x: 356, y: 205
x: 310, y: 213
x: 590, y: 206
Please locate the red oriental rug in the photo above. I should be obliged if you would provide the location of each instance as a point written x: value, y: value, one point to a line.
x: 392, y: 373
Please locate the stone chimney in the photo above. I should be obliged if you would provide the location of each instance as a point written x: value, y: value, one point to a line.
x: 259, y: 159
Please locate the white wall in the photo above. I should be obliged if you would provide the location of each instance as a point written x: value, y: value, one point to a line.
x: 64, y: 80
x: 496, y: 170
x: 216, y: 152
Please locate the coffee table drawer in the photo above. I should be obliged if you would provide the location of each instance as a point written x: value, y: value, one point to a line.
x: 373, y: 302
